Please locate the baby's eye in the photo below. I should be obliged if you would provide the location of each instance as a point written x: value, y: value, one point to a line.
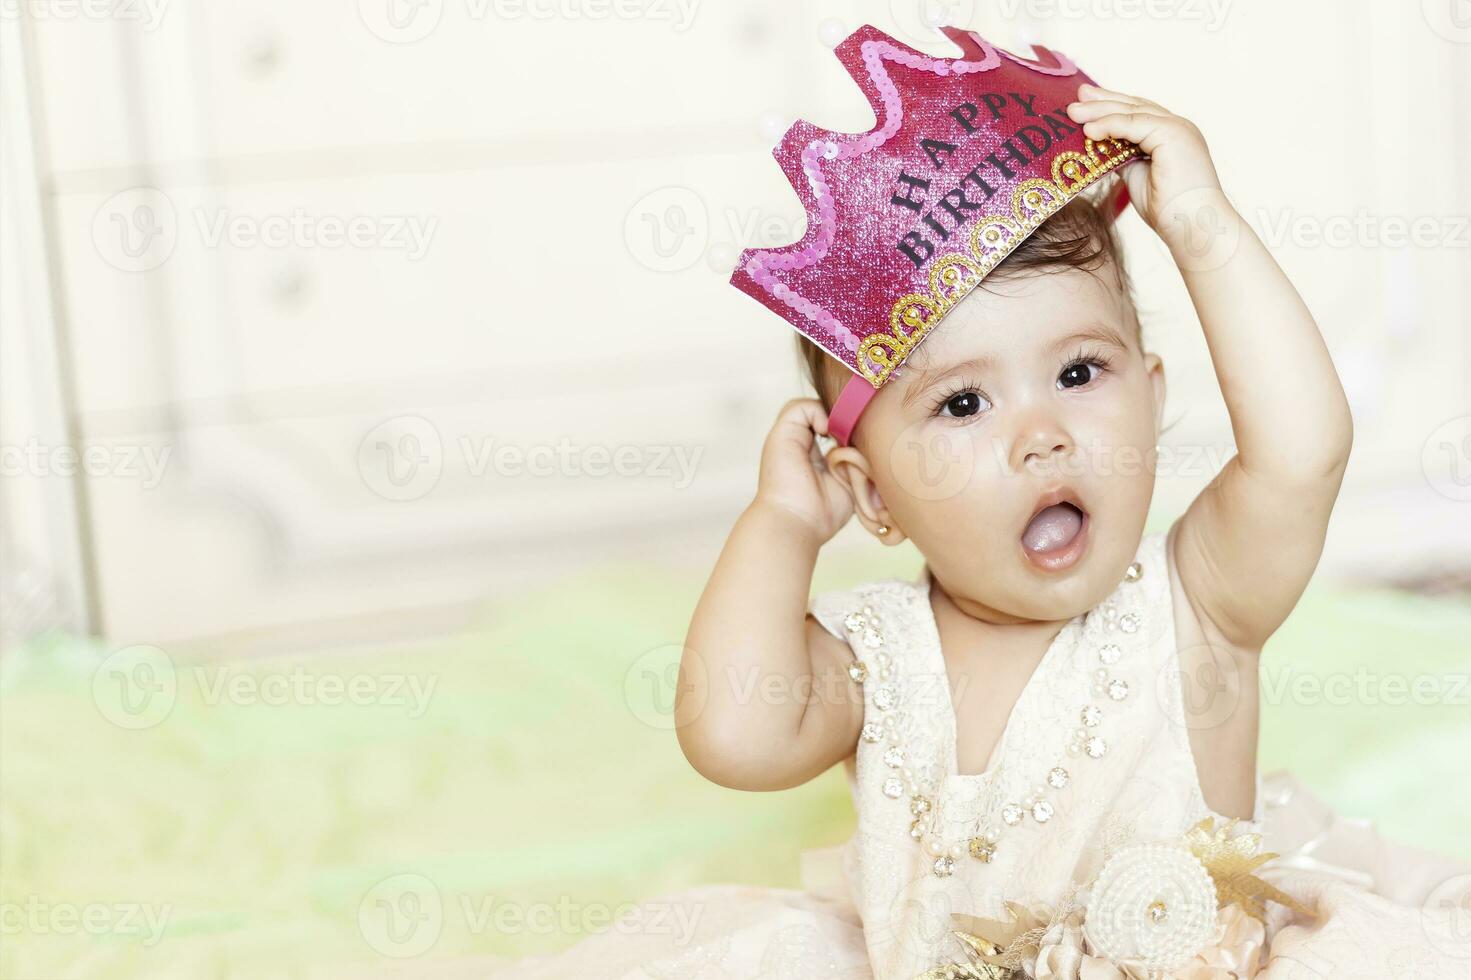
x: 1077, y: 374
x: 964, y: 404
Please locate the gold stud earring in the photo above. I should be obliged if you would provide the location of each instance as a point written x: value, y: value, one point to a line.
x: 883, y: 529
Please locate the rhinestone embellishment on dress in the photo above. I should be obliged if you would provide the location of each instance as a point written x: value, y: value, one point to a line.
x: 866, y: 631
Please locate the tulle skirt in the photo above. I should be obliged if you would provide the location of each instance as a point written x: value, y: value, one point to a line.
x: 1385, y: 911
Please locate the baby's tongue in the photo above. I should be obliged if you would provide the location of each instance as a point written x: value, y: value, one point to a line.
x: 1054, y: 527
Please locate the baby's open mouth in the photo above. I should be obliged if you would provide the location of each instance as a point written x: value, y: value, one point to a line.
x: 1056, y: 535
x: 1053, y: 527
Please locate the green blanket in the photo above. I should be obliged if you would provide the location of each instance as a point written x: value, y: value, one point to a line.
x: 192, y: 818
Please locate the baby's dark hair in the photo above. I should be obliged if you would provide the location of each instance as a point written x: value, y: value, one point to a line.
x: 1080, y: 236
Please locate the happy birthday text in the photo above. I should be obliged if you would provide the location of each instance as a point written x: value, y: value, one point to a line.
x: 1020, y: 149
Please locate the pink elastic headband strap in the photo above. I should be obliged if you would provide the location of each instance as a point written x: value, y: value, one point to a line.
x: 857, y: 393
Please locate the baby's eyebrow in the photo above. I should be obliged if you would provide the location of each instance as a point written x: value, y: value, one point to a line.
x: 927, y: 378
x: 1103, y: 332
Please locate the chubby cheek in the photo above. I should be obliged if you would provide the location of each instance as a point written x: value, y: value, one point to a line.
x: 950, y: 490
x: 1115, y: 447
x: 930, y: 469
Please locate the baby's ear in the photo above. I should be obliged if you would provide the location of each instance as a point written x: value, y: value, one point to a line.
x: 852, y: 470
x: 1155, y: 367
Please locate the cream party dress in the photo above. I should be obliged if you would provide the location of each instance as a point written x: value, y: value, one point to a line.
x: 1094, y: 763
x: 1095, y: 753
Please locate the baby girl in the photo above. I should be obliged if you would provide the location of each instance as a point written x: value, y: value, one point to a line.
x: 1051, y: 735
x: 1013, y: 718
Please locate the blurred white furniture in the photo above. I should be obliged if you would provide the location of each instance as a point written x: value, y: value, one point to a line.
x: 548, y: 207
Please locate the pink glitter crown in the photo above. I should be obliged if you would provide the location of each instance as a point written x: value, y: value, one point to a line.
x: 970, y: 155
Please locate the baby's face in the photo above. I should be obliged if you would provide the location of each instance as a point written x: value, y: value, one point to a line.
x: 1031, y: 385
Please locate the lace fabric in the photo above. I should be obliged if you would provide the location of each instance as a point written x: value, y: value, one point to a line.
x: 1118, y: 661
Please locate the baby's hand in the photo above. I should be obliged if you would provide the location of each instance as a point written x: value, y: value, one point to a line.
x: 793, y: 476
x: 1179, y: 176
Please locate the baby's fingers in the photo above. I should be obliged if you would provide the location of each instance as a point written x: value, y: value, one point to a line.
x: 1094, y: 93
x: 805, y: 414
x: 1148, y: 130
x: 797, y: 426
x: 1084, y: 111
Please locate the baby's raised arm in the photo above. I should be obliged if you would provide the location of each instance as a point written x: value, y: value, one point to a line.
x: 764, y: 700
x: 1247, y: 546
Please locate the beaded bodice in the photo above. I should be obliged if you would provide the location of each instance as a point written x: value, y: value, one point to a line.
x: 1094, y: 753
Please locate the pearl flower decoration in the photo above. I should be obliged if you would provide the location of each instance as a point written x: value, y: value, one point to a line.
x: 1153, y: 903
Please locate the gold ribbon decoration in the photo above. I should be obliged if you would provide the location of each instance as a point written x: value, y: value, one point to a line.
x: 1231, y: 862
